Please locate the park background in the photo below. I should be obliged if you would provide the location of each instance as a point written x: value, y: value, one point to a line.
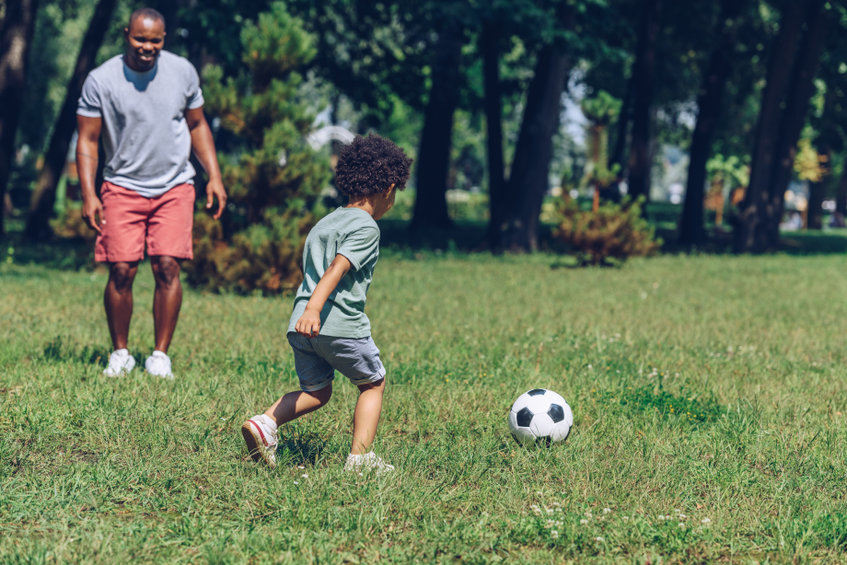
x: 697, y: 147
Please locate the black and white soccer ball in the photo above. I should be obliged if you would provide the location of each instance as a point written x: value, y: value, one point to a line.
x: 540, y: 416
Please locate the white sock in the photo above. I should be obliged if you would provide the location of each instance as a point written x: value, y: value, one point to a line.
x: 268, y: 421
x: 122, y: 352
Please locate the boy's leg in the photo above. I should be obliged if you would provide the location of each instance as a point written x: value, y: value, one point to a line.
x: 297, y: 403
x: 366, y: 416
x: 260, y: 432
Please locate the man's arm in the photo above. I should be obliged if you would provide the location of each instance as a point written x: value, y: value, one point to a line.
x: 204, y: 149
x: 86, y: 163
x: 309, y: 323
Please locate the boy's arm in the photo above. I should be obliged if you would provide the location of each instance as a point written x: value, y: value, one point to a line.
x: 309, y: 323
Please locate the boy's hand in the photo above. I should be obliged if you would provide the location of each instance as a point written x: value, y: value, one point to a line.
x: 309, y: 323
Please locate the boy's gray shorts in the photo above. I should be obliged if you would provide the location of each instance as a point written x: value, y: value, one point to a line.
x: 317, y: 358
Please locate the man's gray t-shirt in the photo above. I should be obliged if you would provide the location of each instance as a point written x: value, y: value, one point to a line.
x: 144, y: 132
x: 353, y: 233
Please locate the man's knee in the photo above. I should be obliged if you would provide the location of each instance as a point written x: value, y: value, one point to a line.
x: 165, y: 269
x: 121, y: 275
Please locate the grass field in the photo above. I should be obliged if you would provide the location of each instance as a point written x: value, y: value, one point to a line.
x: 709, y: 396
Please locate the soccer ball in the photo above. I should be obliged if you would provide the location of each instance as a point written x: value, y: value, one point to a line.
x: 540, y: 416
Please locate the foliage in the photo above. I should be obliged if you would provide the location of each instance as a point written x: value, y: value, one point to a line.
x: 600, y: 110
x: 808, y: 163
x: 275, y: 181
x: 70, y: 225
x: 614, y: 231
x: 729, y: 171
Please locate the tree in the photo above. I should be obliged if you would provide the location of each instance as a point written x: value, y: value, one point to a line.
x: 709, y: 103
x: 15, y: 42
x: 528, y: 179
x: 644, y: 76
x: 436, y: 138
x: 493, y: 107
x: 44, y: 195
x: 783, y: 111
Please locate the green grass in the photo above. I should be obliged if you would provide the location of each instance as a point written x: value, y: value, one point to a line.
x: 708, y: 393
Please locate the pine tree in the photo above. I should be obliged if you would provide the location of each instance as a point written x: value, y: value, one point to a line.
x: 275, y: 177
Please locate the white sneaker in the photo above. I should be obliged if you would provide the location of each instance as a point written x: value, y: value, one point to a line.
x: 120, y: 363
x: 367, y: 462
x: 260, y: 436
x: 159, y: 365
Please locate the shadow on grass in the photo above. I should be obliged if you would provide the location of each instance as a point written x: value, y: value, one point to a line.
x: 59, y: 351
x: 301, y: 449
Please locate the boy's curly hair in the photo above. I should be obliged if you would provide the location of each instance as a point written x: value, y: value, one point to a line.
x: 370, y: 165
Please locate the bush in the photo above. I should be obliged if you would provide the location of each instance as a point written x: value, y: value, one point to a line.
x: 263, y: 258
x: 70, y: 225
x: 614, y: 232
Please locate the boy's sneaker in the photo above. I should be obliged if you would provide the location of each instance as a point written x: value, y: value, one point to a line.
x: 159, y: 365
x: 120, y: 363
x: 260, y: 436
x: 367, y: 462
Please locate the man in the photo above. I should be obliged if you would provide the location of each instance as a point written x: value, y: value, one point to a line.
x: 148, y: 105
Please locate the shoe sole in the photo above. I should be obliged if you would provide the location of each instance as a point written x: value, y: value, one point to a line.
x: 255, y: 444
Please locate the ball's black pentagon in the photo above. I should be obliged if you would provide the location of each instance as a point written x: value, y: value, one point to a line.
x: 524, y: 417
x: 556, y: 413
x: 536, y: 392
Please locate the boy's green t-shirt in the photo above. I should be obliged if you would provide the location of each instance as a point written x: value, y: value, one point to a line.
x: 351, y: 232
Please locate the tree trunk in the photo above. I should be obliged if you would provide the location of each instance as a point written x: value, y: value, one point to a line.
x: 801, y: 89
x: 528, y: 180
x: 530, y: 170
x: 619, y: 152
x: 816, y: 195
x: 44, y: 196
x: 434, y: 154
x: 494, y: 133
x: 709, y: 102
x: 15, y: 41
x: 756, y: 208
x: 841, y: 196
x: 644, y: 75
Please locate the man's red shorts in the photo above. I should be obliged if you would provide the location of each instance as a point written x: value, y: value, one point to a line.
x: 130, y: 220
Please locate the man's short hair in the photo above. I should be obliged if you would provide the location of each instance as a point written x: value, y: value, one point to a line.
x: 154, y: 15
x: 370, y: 165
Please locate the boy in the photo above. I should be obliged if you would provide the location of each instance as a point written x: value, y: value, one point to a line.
x: 328, y: 329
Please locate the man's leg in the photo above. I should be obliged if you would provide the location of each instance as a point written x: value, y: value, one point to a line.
x: 167, y: 299
x: 117, y: 299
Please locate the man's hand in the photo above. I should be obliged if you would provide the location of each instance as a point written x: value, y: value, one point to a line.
x: 309, y: 323
x: 92, y: 213
x: 215, y: 190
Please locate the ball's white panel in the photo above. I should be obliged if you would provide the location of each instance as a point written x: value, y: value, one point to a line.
x: 554, y: 397
x: 513, y: 421
x: 538, y: 404
x: 560, y: 431
x: 521, y: 402
x: 523, y: 435
x: 568, y: 414
x: 542, y: 426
